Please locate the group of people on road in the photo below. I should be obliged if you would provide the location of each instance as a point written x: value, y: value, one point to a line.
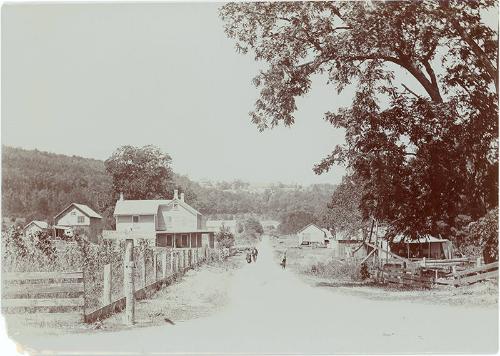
x: 252, y: 255
x: 253, y: 252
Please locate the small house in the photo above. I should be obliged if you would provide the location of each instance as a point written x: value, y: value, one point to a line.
x: 311, y: 235
x: 35, y: 227
x: 78, y: 217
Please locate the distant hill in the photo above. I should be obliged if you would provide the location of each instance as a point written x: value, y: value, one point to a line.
x: 37, y: 185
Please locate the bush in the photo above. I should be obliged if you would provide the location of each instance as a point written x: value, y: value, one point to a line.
x: 224, y: 238
x: 484, y: 233
x: 337, y: 270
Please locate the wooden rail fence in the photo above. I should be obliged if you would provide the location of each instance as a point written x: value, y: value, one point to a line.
x: 43, y: 291
x: 471, y: 275
x: 180, y: 262
x: 55, y: 292
x: 457, y: 279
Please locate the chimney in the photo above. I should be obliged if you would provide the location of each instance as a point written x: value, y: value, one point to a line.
x: 182, y: 196
x: 176, y: 194
x: 121, y: 195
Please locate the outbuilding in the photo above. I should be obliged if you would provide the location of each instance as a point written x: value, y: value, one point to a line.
x: 35, y: 227
x: 311, y: 235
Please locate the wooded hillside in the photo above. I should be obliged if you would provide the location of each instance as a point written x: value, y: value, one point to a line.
x: 37, y: 185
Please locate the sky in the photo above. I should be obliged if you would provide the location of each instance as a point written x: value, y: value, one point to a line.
x: 85, y: 79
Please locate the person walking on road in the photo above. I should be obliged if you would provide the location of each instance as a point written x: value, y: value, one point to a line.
x: 249, y: 257
x: 254, y: 254
x: 283, y: 260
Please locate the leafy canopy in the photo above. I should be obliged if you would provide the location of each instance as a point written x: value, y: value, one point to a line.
x: 141, y: 172
x: 426, y: 146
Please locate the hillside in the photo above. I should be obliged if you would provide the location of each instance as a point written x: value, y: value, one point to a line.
x: 37, y: 185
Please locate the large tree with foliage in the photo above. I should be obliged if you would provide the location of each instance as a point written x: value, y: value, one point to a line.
x: 141, y: 172
x: 421, y: 129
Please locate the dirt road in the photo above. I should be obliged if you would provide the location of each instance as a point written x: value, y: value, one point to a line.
x: 272, y: 311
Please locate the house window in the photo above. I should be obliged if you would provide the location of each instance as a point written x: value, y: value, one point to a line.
x: 185, y: 241
x: 81, y: 219
x: 135, y: 218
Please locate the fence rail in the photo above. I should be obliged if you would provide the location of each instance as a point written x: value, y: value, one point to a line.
x: 36, y: 291
x: 457, y: 279
x: 472, y: 275
x: 174, y: 263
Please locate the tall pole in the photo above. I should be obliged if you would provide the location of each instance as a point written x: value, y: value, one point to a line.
x: 128, y: 283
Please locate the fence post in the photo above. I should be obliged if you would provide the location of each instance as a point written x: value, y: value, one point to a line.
x: 164, y: 265
x: 183, y: 259
x: 128, y: 283
x: 178, y: 257
x: 423, y: 262
x: 143, y: 270
x: 454, y: 272
x: 106, y: 292
x: 172, y: 266
x: 478, y: 262
x: 155, y: 269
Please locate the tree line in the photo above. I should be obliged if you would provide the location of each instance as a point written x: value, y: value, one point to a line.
x: 37, y: 185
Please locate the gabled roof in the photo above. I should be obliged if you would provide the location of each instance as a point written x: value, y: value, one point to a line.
x: 189, y: 207
x: 40, y: 224
x: 83, y: 208
x: 147, y: 207
x: 305, y: 227
x: 139, y: 207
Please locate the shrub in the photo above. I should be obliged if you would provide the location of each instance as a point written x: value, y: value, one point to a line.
x: 224, y: 238
x: 336, y: 270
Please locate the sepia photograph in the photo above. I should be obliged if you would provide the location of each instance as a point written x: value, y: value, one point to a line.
x: 249, y: 178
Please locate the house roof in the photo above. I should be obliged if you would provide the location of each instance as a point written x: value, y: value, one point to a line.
x: 305, y: 227
x: 147, y: 207
x: 421, y: 239
x: 83, y: 208
x: 139, y: 207
x: 40, y: 224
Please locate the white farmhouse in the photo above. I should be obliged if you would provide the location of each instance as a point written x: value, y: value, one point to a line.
x: 167, y: 223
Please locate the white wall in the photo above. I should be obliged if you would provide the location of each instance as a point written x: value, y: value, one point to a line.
x: 70, y: 218
x: 32, y: 230
x: 145, y: 224
x: 178, y: 218
x: 311, y: 234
